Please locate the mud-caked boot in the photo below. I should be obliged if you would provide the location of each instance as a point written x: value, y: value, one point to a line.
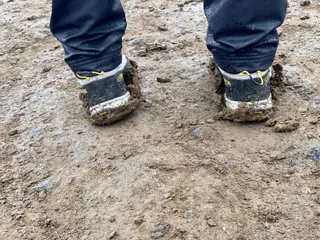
x: 110, y: 96
x: 247, y: 96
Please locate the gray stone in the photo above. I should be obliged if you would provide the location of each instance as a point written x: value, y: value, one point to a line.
x: 46, y: 185
x: 36, y: 131
x: 188, y: 213
x: 196, y: 133
x: 159, y: 228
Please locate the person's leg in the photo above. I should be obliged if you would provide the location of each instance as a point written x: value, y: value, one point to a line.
x: 242, y: 34
x: 90, y: 32
x: 243, y: 39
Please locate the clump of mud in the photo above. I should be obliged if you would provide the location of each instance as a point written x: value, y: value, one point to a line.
x: 243, y: 114
x: 131, y: 79
x: 276, y: 81
x: 283, y: 125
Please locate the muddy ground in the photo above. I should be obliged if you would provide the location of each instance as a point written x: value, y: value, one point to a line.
x: 147, y: 177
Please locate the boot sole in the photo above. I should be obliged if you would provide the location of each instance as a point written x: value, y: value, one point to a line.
x: 105, y: 107
x: 262, y: 105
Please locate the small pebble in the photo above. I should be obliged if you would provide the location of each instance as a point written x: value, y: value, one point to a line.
x: 276, y: 155
x: 193, y: 122
x: 180, y: 25
x: 113, y: 235
x: 13, y: 132
x: 46, y: 184
x: 210, y: 121
x: 162, y: 28
x: 315, y: 154
x: 291, y: 171
x: 196, y: 133
x: 228, y: 164
x: 36, y: 131
x: 304, y: 17
x: 147, y: 102
x: 167, y: 195
x: 246, y: 197
x: 134, y: 42
x: 178, y: 125
x: 188, y: 213
x: 163, y: 80
x: 18, y: 217
x: 47, y: 222
x: 181, y: 230
x: 211, y: 223
x: 159, y: 228
x: 138, y: 221
x: 314, y: 121
x: 76, y: 159
x: 46, y: 69
x: 305, y: 2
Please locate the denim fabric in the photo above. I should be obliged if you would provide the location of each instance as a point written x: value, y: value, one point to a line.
x: 242, y: 34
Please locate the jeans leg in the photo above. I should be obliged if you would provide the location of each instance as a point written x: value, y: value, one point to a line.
x: 90, y: 32
x: 242, y: 34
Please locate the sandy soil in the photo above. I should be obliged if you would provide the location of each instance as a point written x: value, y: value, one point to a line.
x: 147, y: 177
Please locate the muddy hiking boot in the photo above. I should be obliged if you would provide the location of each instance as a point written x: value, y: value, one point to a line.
x: 246, y: 96
x: 110, y: 96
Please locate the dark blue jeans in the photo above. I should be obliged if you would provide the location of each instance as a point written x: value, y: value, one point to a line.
x: 242, y: 34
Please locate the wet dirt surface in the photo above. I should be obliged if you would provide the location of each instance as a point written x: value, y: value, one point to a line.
x: 169, y: 170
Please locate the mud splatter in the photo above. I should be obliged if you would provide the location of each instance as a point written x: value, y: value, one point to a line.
x: 286, y: 125
x: 243, y: 115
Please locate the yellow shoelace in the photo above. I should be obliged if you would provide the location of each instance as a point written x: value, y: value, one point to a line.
x: 259, y: 74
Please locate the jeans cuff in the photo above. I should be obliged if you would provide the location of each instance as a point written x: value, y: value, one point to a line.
x: 95, y: 63
x: 237, y: 63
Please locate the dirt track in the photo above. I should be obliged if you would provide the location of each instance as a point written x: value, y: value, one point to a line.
x: 147, y: 177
